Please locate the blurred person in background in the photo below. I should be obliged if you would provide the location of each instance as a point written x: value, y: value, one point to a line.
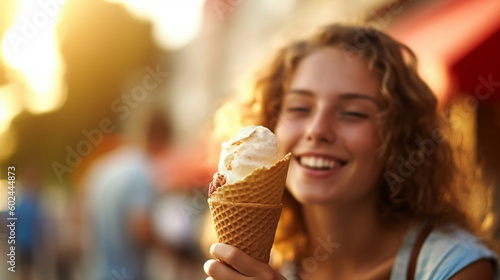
x: 374, y: 188
x: 33, y: 224
x: 120, y: 188
x: 179, y: 211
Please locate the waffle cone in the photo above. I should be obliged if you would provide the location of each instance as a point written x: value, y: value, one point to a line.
x: 264, y: 186
x: 247, y: 226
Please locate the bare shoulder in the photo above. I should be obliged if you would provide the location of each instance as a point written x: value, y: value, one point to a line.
x: 481, y: 269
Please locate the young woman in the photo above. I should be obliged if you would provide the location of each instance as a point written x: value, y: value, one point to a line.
x: 373, y: 179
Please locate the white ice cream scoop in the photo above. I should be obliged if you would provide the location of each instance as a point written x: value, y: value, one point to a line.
x: 253, y: 147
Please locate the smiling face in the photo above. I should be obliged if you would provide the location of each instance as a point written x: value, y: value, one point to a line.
x: 327, y: 122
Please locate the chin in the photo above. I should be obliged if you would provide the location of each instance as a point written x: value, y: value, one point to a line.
x: 310, y: 197
x: 315, y: 200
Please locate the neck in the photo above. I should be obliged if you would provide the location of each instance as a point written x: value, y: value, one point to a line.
x: 354, y: 227
x: 345, y: 238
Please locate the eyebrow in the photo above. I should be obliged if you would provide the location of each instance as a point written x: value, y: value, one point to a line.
x: 344, y: 96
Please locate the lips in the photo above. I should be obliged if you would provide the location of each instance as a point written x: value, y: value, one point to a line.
x: 320, y: 162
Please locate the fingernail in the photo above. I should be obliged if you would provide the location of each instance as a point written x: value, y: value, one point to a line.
x: 207, y: 265
x: 212, y: 248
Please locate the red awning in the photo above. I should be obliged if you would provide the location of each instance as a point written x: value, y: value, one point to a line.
x: 462, y: 35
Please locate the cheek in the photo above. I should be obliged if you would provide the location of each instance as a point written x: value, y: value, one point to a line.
x: 287, y: 133
x: 361, y: 139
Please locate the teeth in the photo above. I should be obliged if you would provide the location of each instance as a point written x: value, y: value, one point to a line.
x: 319, y: 162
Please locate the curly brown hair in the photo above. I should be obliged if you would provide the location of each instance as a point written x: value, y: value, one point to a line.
x: 421, y: 177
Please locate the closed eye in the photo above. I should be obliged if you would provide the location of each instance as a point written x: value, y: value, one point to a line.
x: 298, y: 109
x: 355, y: 114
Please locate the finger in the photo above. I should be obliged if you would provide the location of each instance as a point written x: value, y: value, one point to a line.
x: 236, y: 258
x: 216, y: 270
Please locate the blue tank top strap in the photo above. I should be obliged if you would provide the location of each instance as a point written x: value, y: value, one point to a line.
x: 444, y: 253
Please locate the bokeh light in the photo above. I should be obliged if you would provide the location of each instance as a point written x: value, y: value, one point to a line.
x: 33, y: 61
x: 8, y: 142
x: 175, y: 23
x: 10, y: 106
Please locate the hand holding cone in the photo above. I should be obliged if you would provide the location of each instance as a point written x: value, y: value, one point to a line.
x: 246, y: 212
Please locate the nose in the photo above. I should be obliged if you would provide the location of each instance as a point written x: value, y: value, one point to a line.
x: 321, y: 129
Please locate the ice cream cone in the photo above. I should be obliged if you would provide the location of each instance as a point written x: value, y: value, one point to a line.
x: 247, y: 212
x: 247, y: 226
x: 261, y: 186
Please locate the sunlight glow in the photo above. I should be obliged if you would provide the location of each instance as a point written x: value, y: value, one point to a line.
x: 435, y: 74
x: 34, y: 62
x: 8, y: 142
x: 10, y: 106
x: 4, y: 184
x: 175, y: 23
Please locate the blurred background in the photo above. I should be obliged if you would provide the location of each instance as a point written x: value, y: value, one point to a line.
x: 105, y: 109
